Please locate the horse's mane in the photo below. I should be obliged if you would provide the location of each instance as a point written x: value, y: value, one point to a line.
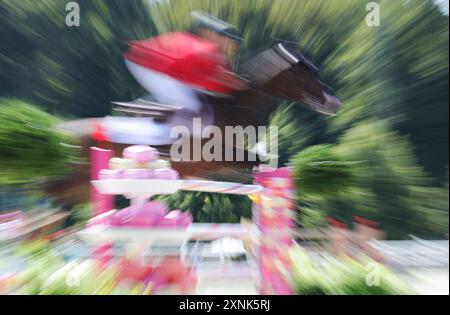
x: 283, y: 50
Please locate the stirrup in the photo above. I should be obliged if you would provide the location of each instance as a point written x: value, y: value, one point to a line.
x: 142, y: 107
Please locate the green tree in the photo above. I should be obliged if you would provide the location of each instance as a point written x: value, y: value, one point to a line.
x: 72, y: 70
x: 30, y: 147
x: 399, y: 72
x: 386, y: 184
x: 210, y: 207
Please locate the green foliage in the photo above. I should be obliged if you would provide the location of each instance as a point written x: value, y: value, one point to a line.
x: 320, y: 174
x: 29, y: 146
x: 298, y: 128
x: 47, y: 273
x: 387, y: 185
x: 342, y: 276
x: 399, y: 72
x: 34, y: 248
x: 50, y: 275
x: 210, y: 207
x: 71, y: 70
x: 318, y: 170
x: 81, y: 213
x: 395, y: 190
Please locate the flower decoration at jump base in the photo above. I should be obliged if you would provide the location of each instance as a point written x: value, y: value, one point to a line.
x: 141, y: 162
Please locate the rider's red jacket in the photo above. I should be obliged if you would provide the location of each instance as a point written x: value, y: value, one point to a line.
x: 183, y: 56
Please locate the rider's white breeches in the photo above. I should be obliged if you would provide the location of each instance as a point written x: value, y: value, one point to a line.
x: 164, y: 88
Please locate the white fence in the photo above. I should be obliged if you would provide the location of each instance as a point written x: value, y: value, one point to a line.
x: 414, y: 253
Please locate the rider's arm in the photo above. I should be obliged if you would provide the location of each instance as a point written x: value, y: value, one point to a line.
x: 230, y: 79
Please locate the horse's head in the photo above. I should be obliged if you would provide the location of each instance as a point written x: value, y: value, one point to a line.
x: 286, y: 73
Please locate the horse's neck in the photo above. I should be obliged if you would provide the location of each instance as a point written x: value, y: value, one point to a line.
x: 248, y: 108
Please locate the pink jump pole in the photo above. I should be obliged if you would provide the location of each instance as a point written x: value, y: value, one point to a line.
x: 99, y: 160
x: 274, y: 214
x: 101, y: 203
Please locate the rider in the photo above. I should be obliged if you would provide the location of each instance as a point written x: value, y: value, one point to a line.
x: 181, y: 66
x: 225, y: 36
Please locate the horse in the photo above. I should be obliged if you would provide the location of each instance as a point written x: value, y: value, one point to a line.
x: 275, y: 74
